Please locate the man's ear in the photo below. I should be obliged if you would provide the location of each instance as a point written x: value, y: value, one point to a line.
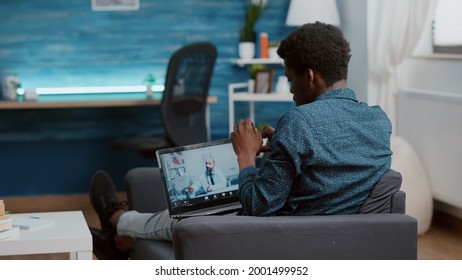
x: 309, y: 75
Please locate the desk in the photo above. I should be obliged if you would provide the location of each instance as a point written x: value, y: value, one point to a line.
x: 233, y: 96
x: 78, y: 101
x: 70, y: 233
x: 87, y: 101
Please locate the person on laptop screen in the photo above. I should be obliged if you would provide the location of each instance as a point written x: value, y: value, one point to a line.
x: 211, y: 180
x: 325, y: 154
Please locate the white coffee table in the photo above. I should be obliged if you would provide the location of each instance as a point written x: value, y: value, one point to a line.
x: 69, y: 233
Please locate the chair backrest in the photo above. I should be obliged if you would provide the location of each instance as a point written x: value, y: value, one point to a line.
x: 386, y: 197
x: 184, y: 102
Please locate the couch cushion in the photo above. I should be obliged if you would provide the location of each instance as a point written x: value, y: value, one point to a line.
x: 380, y: 198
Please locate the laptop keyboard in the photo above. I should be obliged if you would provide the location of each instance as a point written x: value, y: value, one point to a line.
x: 220, y: 209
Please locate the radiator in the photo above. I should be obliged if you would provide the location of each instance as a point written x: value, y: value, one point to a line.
x: 432, y: 123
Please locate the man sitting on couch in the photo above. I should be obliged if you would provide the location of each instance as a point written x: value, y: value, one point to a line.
x: 326, y: 154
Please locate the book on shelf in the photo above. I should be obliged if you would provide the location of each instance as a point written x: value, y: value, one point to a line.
x: 264, y: 45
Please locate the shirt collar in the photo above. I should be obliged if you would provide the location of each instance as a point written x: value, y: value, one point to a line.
x: 339, y: 93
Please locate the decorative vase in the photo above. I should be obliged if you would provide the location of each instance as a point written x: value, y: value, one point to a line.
x: 282, y: 86
x: 246, y: 50
x: 273, y: 53
x: 149, y: 92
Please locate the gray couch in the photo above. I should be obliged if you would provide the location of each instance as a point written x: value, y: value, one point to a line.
x: 381, y: 231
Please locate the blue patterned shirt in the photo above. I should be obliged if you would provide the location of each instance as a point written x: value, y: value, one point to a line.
x: 325, y: 158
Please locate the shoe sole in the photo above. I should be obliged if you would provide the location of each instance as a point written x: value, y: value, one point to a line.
x: 101, y: 216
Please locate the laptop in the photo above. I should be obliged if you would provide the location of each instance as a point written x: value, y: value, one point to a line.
x: 200, y: 179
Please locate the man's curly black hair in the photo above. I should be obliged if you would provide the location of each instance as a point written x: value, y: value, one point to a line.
x: 317, y: 46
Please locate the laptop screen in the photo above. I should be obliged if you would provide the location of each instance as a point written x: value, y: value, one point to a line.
x: 199, y: 176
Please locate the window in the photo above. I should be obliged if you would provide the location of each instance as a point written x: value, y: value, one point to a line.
x: 447, y: 27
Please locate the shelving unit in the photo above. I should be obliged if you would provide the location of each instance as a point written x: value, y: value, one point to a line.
x: 243, y: 62
x: 238, y: 92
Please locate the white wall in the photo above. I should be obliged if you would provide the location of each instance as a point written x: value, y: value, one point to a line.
x: 440, y: 149
x: 433, y: 74
x: 353, y: 15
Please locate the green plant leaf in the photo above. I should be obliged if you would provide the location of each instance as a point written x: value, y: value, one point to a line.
x: 253, y: 12
x: 254, y: 68
x: 150, y: 79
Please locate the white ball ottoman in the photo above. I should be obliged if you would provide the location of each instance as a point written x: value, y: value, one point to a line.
x: 419, y: 200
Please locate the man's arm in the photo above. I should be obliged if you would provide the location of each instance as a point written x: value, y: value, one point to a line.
x: 247, y: 142
x: 265, y: 192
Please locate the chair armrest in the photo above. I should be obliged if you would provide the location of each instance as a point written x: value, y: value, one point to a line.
x: 371, y: 236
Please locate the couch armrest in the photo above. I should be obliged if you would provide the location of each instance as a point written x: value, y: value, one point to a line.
x: 371, y: 236
x: 147, y: 249
x: 145, y: 190
x: 145, y: 194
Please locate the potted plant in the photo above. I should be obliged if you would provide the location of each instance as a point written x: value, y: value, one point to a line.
x: 247, y: 32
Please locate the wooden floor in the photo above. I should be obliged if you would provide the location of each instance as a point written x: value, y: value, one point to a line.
x: 443, y: 241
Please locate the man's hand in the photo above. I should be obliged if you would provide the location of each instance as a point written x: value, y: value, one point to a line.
x: 266, y: 132
x: 247, y: 141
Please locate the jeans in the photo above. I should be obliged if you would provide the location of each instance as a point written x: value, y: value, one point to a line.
x: 156, y: 226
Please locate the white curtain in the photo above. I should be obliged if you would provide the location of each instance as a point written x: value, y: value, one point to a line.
x: 394, y: 29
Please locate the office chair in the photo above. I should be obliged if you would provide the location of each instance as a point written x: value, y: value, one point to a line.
x: 184, y: 102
